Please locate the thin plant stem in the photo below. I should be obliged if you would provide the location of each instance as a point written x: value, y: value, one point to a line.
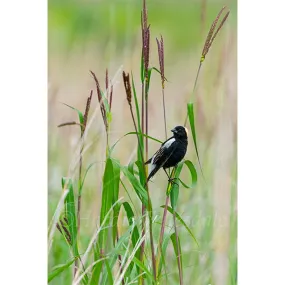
x: 143, y: 206
x: 149, y: 201
x: 164, y: 113
x: 178, y: 251
x: 194, y: 88
x: 163, y: 223
x: 120, y: 258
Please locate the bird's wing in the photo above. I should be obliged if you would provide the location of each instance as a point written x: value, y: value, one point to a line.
x: 163, y: 153
x: 159, y: 152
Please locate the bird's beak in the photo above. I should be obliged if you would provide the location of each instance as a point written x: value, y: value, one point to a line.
x: 173, y: 130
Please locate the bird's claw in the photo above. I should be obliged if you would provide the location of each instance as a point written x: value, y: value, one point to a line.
x: 171, y: 180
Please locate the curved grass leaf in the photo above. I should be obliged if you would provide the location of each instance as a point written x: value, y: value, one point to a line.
x: 130, y: 215
x: 158, y: 71
x: 182, y: 222
x: 59, y: 269
x: 80, y: 115
x: 141, y: 172
x: 190, y: 109
x: 174, y: 190
x: 148, y: 82
x: 148, y: 274
x: 140, y: 191
x: 133, y: 133
x: 85, y: 174
x: 193, y: 172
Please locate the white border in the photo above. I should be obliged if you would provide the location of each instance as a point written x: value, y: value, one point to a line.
x: 23, y: 210
x: 261, y: 143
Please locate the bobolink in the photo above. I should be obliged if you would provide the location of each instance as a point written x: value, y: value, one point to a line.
x: 170, y: 153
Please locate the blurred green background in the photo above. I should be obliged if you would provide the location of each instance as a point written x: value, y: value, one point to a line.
x: 95, y: 35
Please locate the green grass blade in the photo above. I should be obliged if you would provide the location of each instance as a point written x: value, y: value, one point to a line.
x: 190, y: 108
x: 107, y: 199
x: 131, y: 216
x: 175, y: 247
x: 116, y: 208
x: 174, y: 190
x: 80, y: 115
x: 70, y: 213
x: 182, y: 222
x: 85, y: 174
x: 163, y: 254
x: 59, y: 269
x: 193, y: 173
x: 148, y: 274
x: 140, y: 191
x: 141, y: 172
x: 136, y: 104
x: 96, y: 273
x: 109, y: 272
x: 148, y: 81
x: 133, y: 133
x: 158, y: 71
x: 146, y: 136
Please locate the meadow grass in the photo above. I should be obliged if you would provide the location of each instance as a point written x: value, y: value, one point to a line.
x: 112, y: 228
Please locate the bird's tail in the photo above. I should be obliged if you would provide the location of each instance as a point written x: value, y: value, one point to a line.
x: 152, y: 173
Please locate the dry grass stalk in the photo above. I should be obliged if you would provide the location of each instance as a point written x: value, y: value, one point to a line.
x: 69, y: 124
x: 210, y: 38
x: 107, y: 83
x: 109, y: 90
x: 100, y: 100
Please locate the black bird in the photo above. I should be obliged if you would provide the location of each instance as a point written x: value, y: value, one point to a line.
x: 170, y: 153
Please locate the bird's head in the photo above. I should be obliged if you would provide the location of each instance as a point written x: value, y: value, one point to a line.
x: 180, y: 132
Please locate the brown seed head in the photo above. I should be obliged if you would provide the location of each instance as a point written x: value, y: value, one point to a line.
x: 210, y: 38
x: 126, y: 78
x: 160, y: 48
x: 87, y: 107
x: 100, y: 100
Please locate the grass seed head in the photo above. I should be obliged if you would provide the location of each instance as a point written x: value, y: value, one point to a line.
x: 210, y: 38
x: 160, y: 48
x: 126, y: 78
x: 100, y: 100
x: 87, y: 108
x: 145, y: 38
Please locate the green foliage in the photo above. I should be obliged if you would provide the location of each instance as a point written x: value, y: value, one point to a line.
x: 70, y: 213
x: 182, y: 222
x: 59, y: 269
x: 176, y: 247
